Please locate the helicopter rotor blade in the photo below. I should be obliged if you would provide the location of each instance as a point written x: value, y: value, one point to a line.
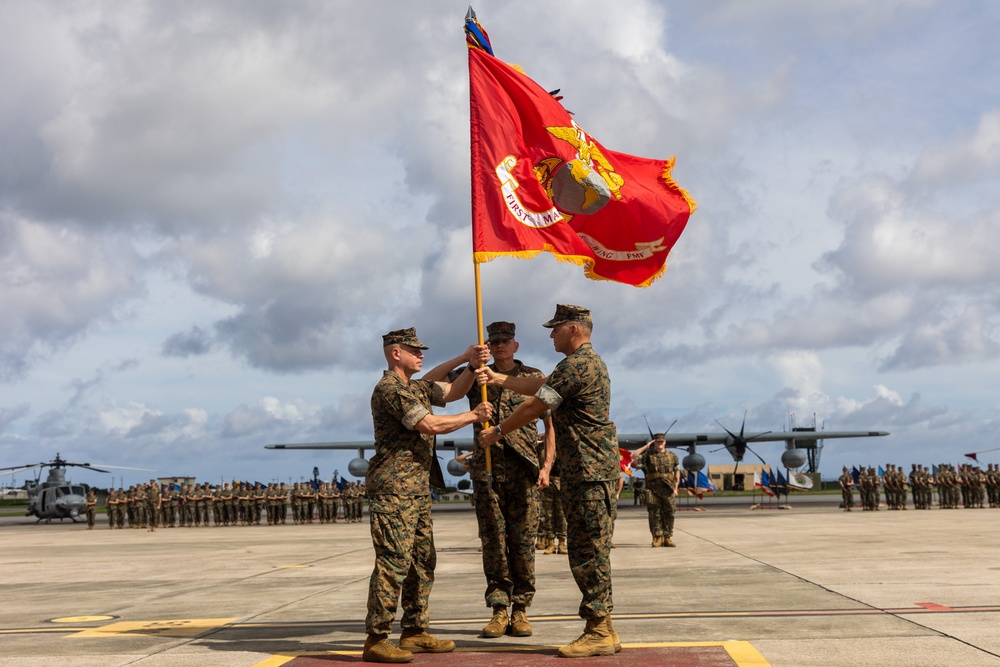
x: 14, y: 471
x: 26, y: 466
x: 90, y: 467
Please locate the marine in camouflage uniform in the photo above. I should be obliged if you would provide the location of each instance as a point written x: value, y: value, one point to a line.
x: 555, y: 514
x: 153, y: 501
x: 399, y: 491
x: 846, y: 489
x: 578, y: 391
x: 662, y: 471
x: 992, y: 485
x: 918, y: 487
x: 90, y: 505
x: 286, y: 501
x: 112, y: 508
x: 506, y: 497
x: 349, y: 496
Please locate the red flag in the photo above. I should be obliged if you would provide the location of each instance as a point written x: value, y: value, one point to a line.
x: 540, y: 183
x: 625, y: 460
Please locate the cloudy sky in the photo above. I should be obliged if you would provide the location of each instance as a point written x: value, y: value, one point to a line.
x: 211, y: 211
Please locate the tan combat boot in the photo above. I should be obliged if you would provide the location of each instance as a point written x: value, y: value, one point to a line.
x: 595, y: 640
x: 418, y: 640
x: 616, y: 640
x: 497, y: 626
x: 378, y: 648
x: 561, y: 549
x: 667, y: 542
x: 657, y: 540
x: 519, y: 625
x: 551, y: 547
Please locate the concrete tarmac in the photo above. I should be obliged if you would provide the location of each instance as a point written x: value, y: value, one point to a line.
x: 811, y: 586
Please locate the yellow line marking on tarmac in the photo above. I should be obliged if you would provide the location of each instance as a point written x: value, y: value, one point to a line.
x: 277, y: 660
x: 193, y: 627
x: 745, y: 655
x: 35, y: 631
x: 190, y: 627
x: 742, y: 652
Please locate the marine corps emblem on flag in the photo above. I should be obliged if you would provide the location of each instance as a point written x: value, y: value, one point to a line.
x: 542, y: 184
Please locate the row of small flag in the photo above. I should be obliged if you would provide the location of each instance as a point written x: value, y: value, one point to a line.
x: 778, y: 485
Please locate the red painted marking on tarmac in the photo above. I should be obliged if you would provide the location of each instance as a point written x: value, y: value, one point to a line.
x: 676, y: 656
x: 933, y: 606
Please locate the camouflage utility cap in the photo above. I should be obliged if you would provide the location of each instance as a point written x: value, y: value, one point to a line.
x: 566, y: 313
x: 403, y: 337
x: 500, y: 330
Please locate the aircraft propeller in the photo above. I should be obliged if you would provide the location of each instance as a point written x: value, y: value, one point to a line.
x: 739, y: 444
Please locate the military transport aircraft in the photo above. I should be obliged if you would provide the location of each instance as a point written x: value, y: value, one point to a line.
x: 802, y: 445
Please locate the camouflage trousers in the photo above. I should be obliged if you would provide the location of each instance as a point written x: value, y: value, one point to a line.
x: 847, y: 498
x: 508, y: 527
x: 552, y: 508
x: 403, y: 538
x: 660, y: 508
x: 589, y: 514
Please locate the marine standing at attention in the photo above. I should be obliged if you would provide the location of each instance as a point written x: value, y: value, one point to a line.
x: 91, y: 507
x: 578, y: 391
x: 507, y: 499
x: 846, y: 489
x: 399, y: 493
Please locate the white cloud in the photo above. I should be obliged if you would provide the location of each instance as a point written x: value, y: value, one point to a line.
x: 55, y: 282
x: 239, y: 198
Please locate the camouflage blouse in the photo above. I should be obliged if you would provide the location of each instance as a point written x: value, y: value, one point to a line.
x: 403, y: 455
x: 521, y: 441
x: 658, y: 466
x: 579, y: 393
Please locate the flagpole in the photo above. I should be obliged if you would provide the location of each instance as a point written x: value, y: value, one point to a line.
x: 477, y: 38
x: 482, y: 339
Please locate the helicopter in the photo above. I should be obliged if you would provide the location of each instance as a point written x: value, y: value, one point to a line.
x: 56, y: 498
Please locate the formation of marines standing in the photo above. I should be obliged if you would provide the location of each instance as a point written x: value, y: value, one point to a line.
x: 894, y: 483
x: 151, y: 505
x: 965, y: 485
x: 921, y: 486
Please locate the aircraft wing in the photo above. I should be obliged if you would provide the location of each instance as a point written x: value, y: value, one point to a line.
x: 360, y: 444
x: 457, y: 444
x: 636, y: 440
